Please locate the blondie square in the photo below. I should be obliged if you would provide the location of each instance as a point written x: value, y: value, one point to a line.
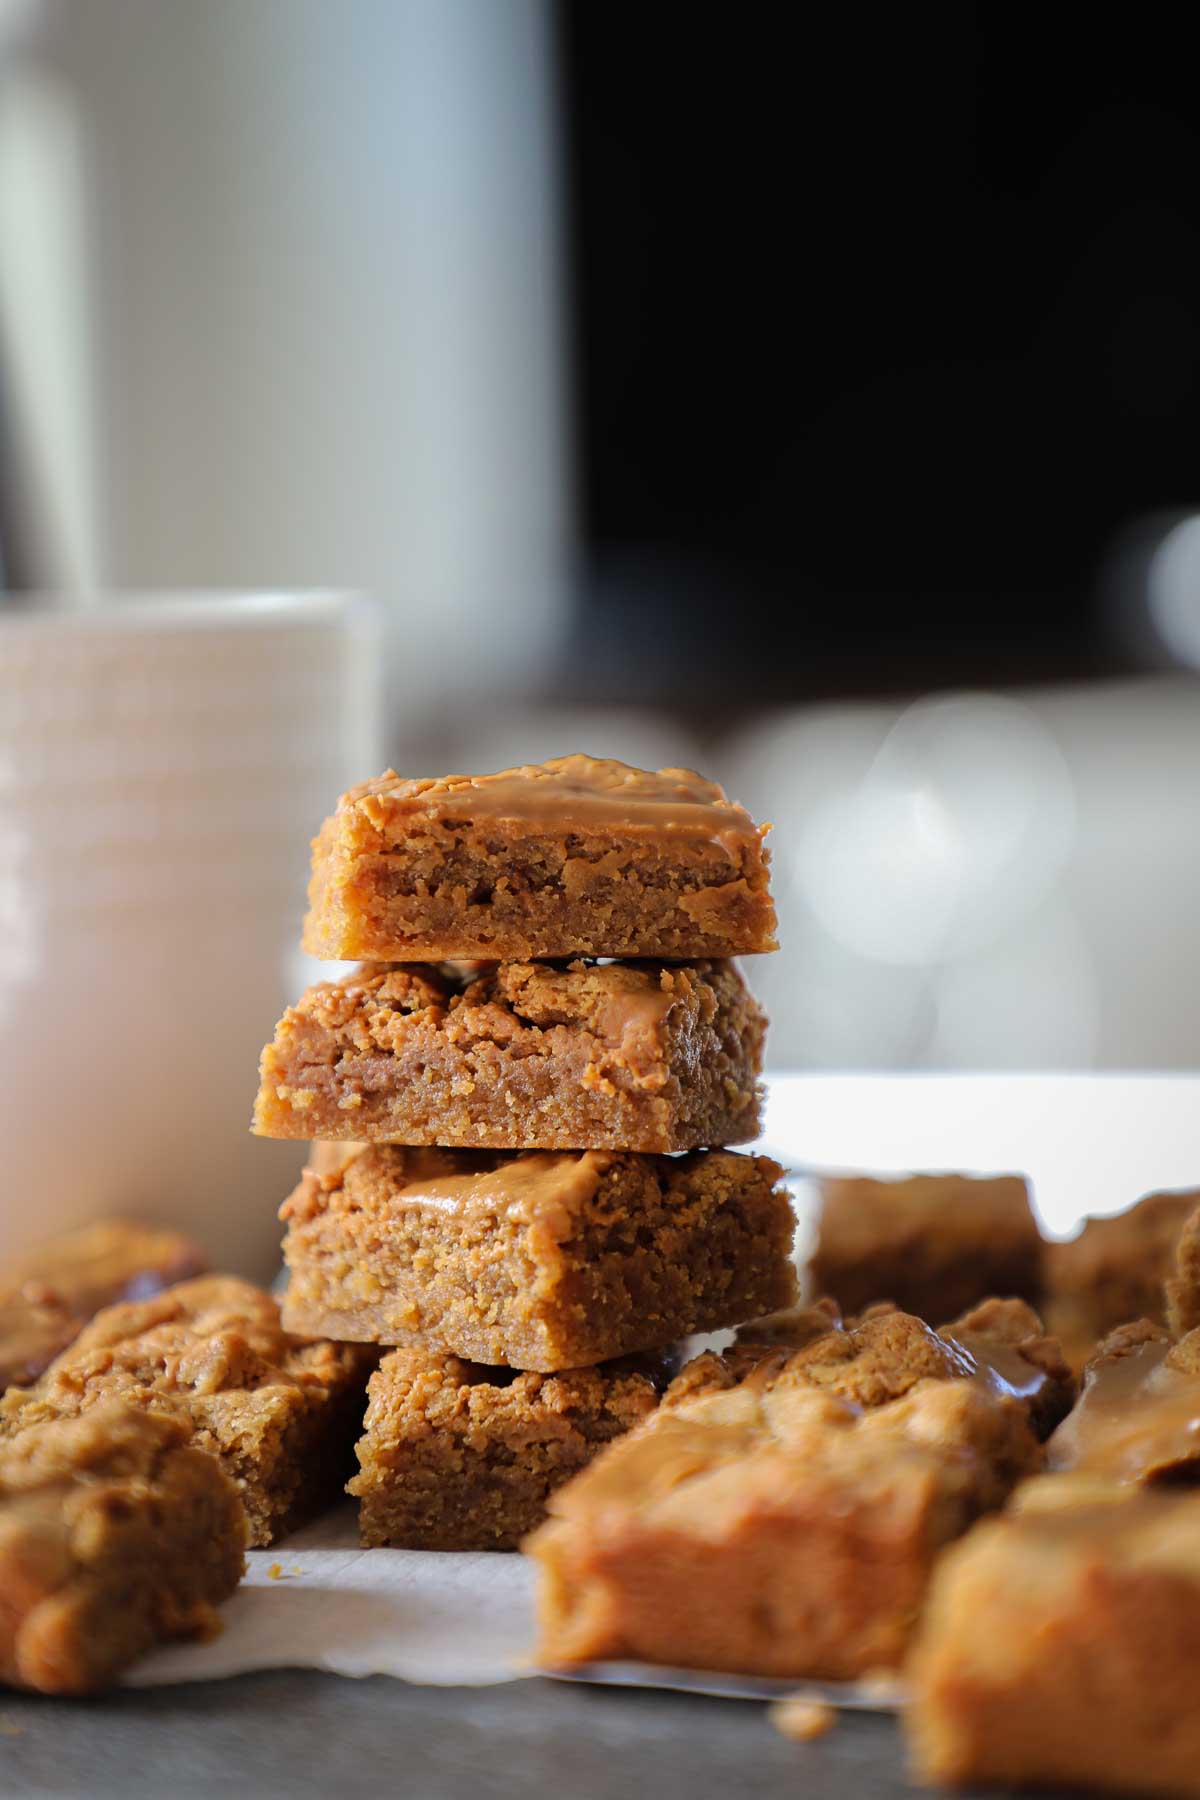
x: 1115, y: 1270
x: 932, y: 1244
x: 612, y: 1056
x: 574, y: 857
x: 48, y: 1293
x: 456, y: 1456
x: 537, y: 1260
x: 772, y: 1530
x: 115, y: 1533
x: 1060, y: 1647
x: 280, y: 1414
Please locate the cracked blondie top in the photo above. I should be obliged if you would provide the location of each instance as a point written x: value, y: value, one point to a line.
x: 279, y: 1413
x: 457, y: 1456
x: 933, y: 1245
x: 771, y: 1528
x: 116, y: 1533
x: 574, y: 857
x: 48, y: 1293
x: 1060, y: 1645
x: 536, y: 1260
x: 629, y: 1056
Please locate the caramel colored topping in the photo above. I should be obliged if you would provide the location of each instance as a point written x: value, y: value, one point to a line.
x: 543, y: 1185
x: 999, y: 1367
x: 568, y: 792
x: 1138, y: 1419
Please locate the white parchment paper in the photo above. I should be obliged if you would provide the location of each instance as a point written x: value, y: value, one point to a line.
x: 319, y: 1602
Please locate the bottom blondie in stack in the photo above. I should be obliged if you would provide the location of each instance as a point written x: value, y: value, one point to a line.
x: 521, y: 1183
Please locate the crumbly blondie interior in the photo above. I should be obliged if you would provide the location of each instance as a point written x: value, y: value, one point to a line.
x: 456, y: 1456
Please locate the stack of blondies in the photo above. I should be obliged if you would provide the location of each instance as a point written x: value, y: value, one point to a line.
x: 520, y: 1104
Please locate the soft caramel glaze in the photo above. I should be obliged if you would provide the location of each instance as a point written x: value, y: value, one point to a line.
x: 1138, y: 1419
x: 1000, y: 1367
x: 519, y: 1187
x: 568, y: 792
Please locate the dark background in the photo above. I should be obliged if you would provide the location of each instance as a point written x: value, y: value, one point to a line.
x: 885, y: 331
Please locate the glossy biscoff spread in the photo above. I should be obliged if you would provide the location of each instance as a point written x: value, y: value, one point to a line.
x: 568, y: 793
x: 1138, y: 1418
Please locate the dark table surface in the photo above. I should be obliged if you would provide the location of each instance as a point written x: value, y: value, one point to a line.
x: 296, y: 1733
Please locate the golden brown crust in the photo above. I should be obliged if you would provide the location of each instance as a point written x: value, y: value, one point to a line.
x: 575, y: 857
x: 115, y: 1533
x: 933, y: 1245
x: 1059, y: 1647
x: 540, y: 1261
x: 771, y: 1529
x: 630, y: 1056
x: 456, y: 1456
x: 278, y: 1412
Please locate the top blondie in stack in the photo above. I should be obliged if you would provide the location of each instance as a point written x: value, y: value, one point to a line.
x: 545, y: 1017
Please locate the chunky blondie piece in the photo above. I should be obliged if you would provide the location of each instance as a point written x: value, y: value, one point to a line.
x: 610, y: 1056
x: 536, y: 1260
x: 1138, y: 1414
x: 280, y: 1414
x: 1060, y: 1646
x: 48, y: 1294
x: 115, y: 1533
x: 772, y: 1530
x: 574, y: 857
x: 1115, y: 1270
x: 934, y: 1245
x: 883, y: 1355
x: 456, y: 1456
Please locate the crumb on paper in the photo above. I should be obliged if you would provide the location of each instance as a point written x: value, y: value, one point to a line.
x: 802, y: 1719
x: 9, y: 1726
x: 277, y: 1572
x: 882, y: 1687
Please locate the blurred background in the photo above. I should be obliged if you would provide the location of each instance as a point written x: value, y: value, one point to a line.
x: 821, y: 412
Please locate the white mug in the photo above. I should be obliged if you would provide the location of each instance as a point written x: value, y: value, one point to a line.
x: 163, y: 766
